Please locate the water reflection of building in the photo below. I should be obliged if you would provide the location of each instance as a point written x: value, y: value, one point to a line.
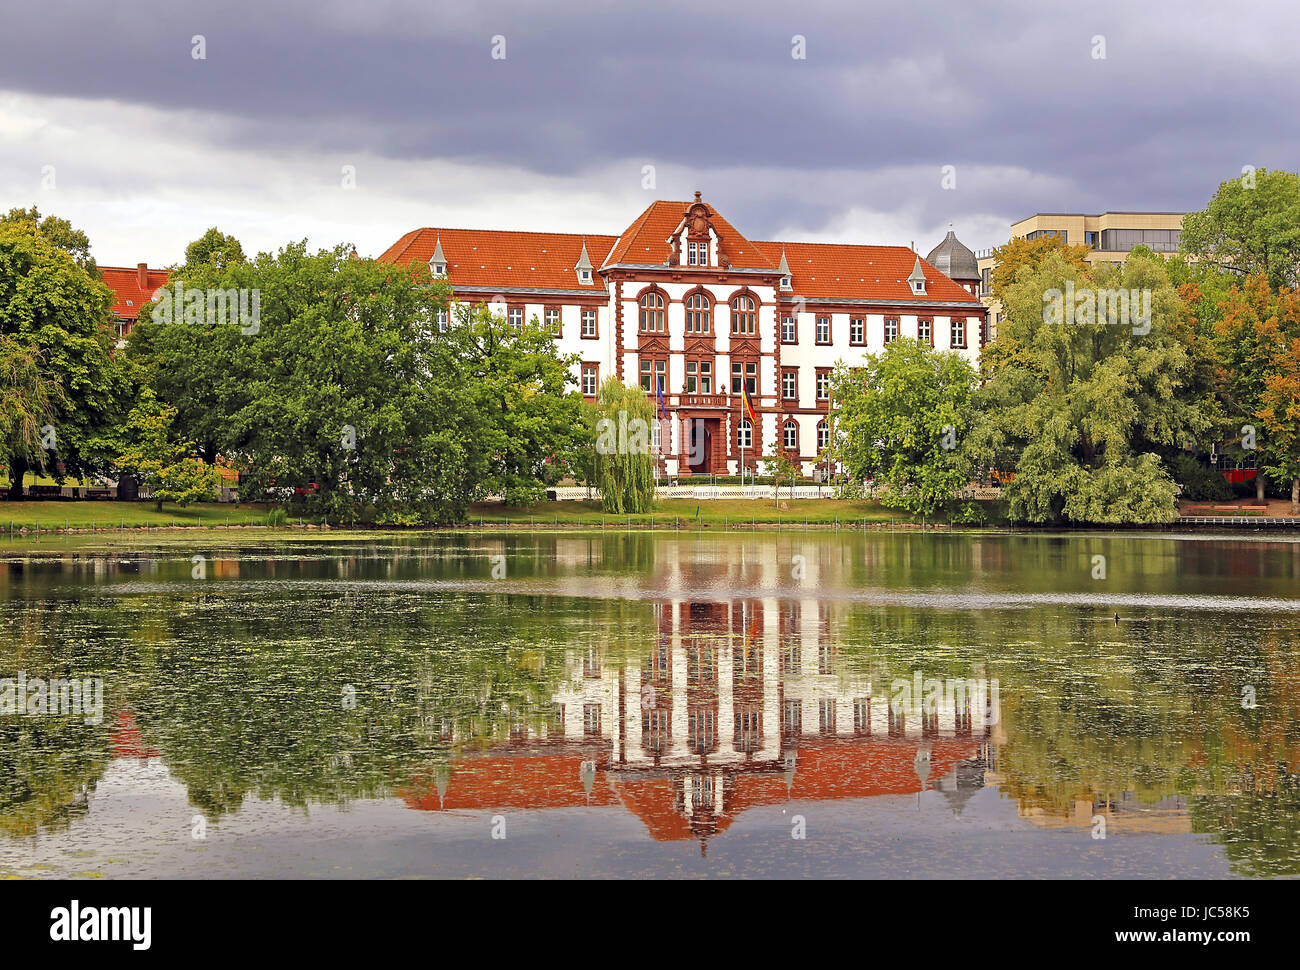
x: 733, y: 705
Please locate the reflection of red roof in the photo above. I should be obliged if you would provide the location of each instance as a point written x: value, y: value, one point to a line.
x: 128, y: 295
x: 827, y: 768
x: 126, y: 740
x: 830, y: 768
x: 541, y: 781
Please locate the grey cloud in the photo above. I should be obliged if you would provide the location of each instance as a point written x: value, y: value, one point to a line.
x: 1187, y: 94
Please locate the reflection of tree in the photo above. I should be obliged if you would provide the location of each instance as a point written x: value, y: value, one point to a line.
x: 236, y: 708
x: 1256, y: 827
x: 48, y: 767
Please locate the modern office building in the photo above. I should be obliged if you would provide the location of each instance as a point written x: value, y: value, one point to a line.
x: 1110, y: 237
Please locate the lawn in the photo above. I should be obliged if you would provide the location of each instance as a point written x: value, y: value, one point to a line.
x: 55, y: 514
x: 692, y: 513
x: 59, y: 515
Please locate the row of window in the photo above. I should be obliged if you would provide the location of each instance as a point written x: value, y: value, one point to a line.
x: 550, y: 318
x: 699, y: 314
x: 789, y: 435
x: 858, y: 331
x: 699, y: 322
x: 699, y: 378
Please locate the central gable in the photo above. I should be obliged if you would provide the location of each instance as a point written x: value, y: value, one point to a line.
x: 659, y: 237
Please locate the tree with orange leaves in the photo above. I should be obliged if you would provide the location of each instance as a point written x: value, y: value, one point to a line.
x: 1255, y: 340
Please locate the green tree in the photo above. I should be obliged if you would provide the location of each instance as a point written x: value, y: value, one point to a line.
x: 58, y: 231
x: 1252, y: 225
x: 30, y: 397
x: 52, y: 304
x: 623, y: 435
x: 171, y: 469
x: 348, y: 383
x: 1018, y: 256
x: 1081, y: 415
x: 781, y: 466
x: 214, y: 250
x: 900, y: 420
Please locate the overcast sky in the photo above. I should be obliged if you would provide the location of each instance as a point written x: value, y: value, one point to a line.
x: 148, y: 146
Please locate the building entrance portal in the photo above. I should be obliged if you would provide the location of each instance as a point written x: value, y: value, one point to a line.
x: 702, y: 437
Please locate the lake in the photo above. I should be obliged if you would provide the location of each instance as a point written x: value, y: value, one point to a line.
x: 586, y: 704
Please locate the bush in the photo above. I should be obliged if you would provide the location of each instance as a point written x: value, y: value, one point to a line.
x: 276, y: 517
x: 1200, y: 482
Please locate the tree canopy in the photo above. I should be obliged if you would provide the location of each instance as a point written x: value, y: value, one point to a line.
x: 899, y: 419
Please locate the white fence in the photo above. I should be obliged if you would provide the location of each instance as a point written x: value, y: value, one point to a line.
x: 707, y: 492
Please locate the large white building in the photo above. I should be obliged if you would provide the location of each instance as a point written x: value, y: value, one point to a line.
x: 682, y: 300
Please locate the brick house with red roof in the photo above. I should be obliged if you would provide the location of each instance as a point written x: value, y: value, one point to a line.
x: 682, y: 301
x: 132, y: 289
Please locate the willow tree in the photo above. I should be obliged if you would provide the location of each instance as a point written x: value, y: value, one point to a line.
x: 30, y: 397
x: 624, y: 464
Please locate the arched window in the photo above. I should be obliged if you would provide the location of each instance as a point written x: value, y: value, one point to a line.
x: 743, y: 317
x: 652, y: 312
x: 791, y: 434
x: 745, y: 435
x: 699, y: 314
x: 823, y: 435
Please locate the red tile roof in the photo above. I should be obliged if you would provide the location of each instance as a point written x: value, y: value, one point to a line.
x: 546, y: 260
x: 852, y: 272
x: 128, y: 296
x: 496, y: 257
x: 645, y: 242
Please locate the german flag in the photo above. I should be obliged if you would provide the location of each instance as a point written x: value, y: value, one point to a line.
x: 749, y: 406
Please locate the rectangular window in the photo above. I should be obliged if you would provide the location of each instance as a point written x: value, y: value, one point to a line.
x: 789, y: 334
x: 925, y: 331
x: 827, y: 712
x: 862, y: 715
x: 790, y: 385
x: 652, y: 371
x: 823, y: 385
x: 823, y: 330
x: 590, y: 379
x: 515, y: 317
x: 857, y: 331
x: 959, y: 333
x: 891, y: 329
x: 442, y: 321
x: 706, y: 377
x: 589, y: 324
x: 553, y: 320
x: 692, y: 376
x: 591, y: 719
x: 697, y: 253
x: 750, y: 372
x: 793, y: 719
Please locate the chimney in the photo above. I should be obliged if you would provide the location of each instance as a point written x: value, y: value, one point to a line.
x: 142, y: 274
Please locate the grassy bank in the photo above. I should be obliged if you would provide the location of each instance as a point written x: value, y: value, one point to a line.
x: 27, y: 519
x: 78, y: 515
x: 690, y: 513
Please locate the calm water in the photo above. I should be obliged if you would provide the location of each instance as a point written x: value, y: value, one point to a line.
x: 803, y: 704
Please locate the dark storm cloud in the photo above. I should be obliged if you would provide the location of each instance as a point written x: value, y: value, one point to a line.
x: 1186, y: 95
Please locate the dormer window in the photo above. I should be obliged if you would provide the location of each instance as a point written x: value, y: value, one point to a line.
x: 787, y: 283
x: 439, y: 270
x: 917, y: 278
x: 584, y: 276
x: 697, y: 253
